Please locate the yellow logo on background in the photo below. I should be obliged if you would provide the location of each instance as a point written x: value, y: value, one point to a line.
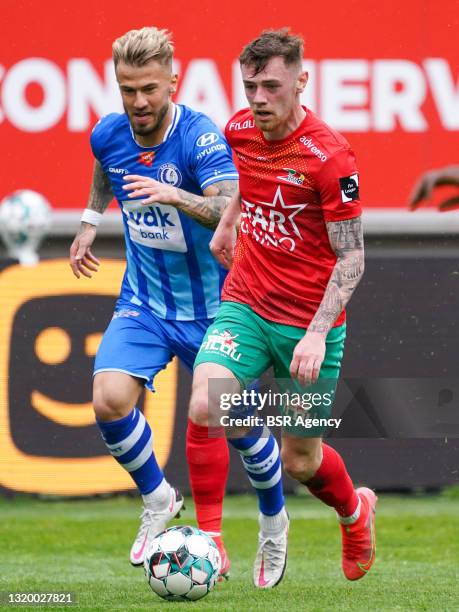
x: 66, y: 475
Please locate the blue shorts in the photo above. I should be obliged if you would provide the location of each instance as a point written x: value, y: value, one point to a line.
x: 139, y: 343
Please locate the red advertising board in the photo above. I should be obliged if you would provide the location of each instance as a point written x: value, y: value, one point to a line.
x: 385, y: 75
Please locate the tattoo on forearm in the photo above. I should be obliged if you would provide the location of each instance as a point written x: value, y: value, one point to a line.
x: 207, y: 210
x: 346, y: 235
x: 101, y: 193
x: 346, y: 239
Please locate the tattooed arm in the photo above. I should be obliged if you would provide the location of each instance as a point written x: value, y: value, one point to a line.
x: 206, y: 209
x: 101, y: 193
x: 346, y: 240
x: 82, y: 261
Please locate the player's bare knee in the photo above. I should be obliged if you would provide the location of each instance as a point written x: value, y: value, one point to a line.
x: 300, y: 466
x: 198, y: 411
x: 115, y: 394
x: 108, y: 406
x: 199, y: 406
x: 205, y: 397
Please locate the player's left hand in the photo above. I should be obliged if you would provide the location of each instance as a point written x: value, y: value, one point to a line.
x: 307, y: 359
x: 155, y: 192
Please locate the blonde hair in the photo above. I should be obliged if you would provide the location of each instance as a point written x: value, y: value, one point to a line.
x: 138, y: 47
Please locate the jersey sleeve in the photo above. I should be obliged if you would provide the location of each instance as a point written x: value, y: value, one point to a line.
x: 100, y: 135
x: 96, y: 140
x: 210, y: 155
x: 338, y: 185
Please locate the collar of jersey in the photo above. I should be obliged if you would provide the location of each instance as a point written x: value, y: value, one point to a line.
x: 176, y: 113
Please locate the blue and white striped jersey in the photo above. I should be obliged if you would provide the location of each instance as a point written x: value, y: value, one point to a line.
x: 169, y: 266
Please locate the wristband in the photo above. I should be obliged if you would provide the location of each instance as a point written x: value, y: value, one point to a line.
x: 91, y: 216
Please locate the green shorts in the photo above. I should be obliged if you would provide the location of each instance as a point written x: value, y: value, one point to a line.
x: 248, y: 345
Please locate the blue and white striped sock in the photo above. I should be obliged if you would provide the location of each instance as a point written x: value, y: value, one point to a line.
x: 260, y: 456
x: 130, y: 441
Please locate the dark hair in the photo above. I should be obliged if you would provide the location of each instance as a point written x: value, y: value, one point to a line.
x: 272, y: 43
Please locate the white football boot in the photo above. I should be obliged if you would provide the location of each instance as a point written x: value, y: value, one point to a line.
x: 271, y: 559
x: 153, y: 523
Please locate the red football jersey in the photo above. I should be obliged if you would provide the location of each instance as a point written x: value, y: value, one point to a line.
x: 289, y: 189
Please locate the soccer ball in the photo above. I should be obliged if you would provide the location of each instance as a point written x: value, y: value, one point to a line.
x: 182, y: 563
x: 25, y: 217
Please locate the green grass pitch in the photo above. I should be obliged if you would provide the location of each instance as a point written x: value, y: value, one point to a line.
x: 82, y: 546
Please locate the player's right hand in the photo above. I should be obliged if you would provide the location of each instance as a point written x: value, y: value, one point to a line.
x: 222, y: 244
x: 308, y: 357
x: 82, y: 261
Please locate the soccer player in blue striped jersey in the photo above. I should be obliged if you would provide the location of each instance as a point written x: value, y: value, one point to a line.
x: 171, y: 171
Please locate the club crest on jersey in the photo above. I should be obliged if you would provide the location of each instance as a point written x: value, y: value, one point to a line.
x: 146, y: 158
x: 349, y: 186
x: 170, y: 174
x: 223, y: 342
x: 292, y: 176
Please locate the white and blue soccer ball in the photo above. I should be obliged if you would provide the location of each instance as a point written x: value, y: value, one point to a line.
x: 182, y: 563
x: 25, y: 218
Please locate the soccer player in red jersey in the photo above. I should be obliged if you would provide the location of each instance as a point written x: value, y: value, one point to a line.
x: 294, y: 264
